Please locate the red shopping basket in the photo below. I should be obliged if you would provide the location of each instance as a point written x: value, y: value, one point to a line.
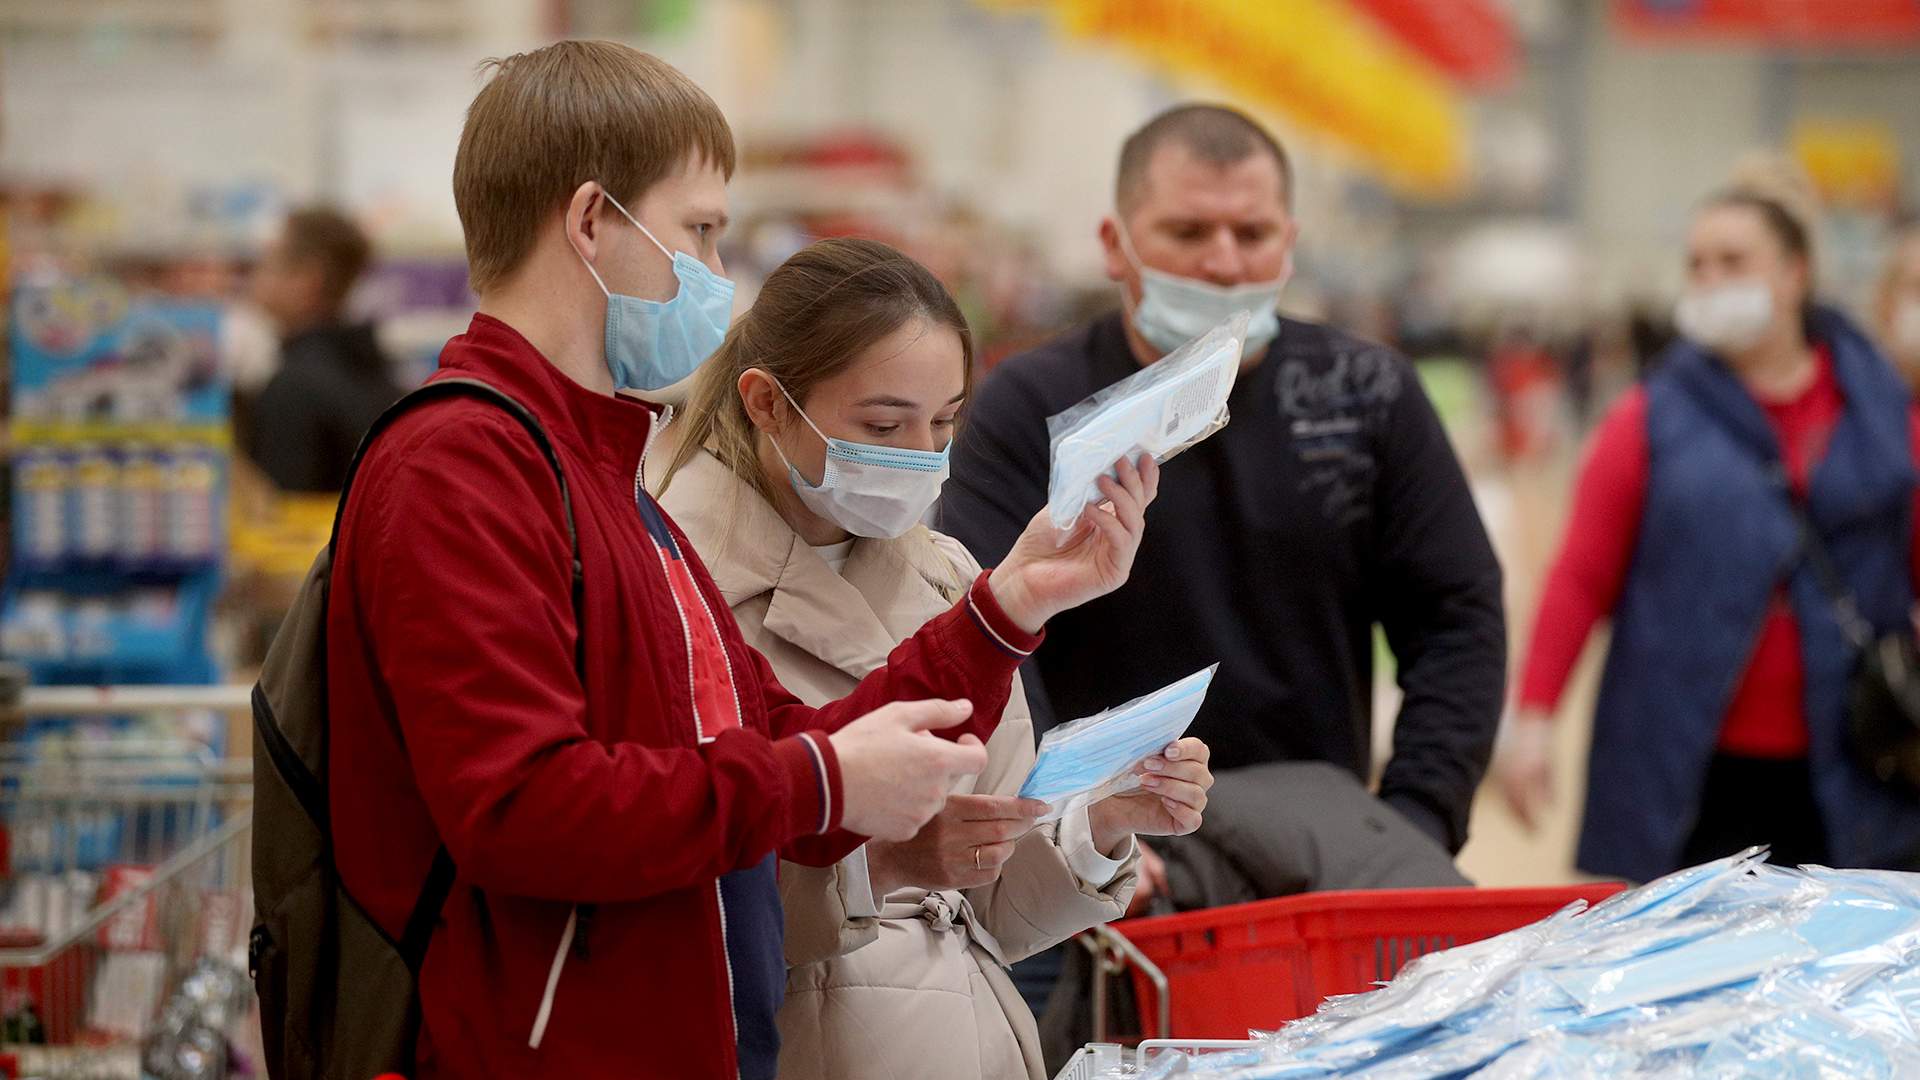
x: 1253, y: 966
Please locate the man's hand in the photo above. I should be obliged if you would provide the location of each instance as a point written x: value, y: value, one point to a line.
x: 1170, y: 801
x: 1042, y: 577
x: 963, y: 847
x: 1524, y: 766
x: 894, y: 774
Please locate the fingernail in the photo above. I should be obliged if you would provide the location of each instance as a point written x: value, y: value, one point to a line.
x: 1156, y: 764
x: 1151, y: 781
x: 1173, y: 750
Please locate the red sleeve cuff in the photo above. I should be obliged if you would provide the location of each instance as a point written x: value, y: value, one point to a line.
x: 814, y: 773
x: 984, y: 609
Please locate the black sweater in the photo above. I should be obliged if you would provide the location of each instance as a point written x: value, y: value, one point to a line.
x: 334, y: 382
x: 1330, y: 503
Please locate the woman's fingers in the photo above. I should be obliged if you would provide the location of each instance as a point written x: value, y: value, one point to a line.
x: 1109, y: 526
x: 1127, y: 505
x: 1185, y: 792
x: 1127, y: 471
x: 1192, y: 771
x: 1187, y: 818
x: 1189, y: 749
x: 992, y: 856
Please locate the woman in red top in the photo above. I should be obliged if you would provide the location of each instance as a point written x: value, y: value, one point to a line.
x: 1747, y: 302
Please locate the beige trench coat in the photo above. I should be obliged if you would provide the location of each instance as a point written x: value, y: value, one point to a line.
x: 921, y: 991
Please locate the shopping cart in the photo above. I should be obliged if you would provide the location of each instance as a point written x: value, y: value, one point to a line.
x: 1095, y: 1060
x: 126, y: 893
x: 1222, y: 972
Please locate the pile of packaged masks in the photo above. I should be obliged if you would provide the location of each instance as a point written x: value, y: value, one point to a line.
x: 1730, y: 969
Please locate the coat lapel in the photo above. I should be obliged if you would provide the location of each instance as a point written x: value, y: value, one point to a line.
x: 850, y: 620
x: 822, y: 613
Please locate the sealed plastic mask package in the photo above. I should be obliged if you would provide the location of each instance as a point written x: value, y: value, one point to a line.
x: 1085, y: 761
x: 1161, y: 409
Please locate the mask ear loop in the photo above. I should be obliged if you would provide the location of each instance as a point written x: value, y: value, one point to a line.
x: 784, y: 460
x: 589, y: 265
x: 648, y: 233
x: 635, y: 222
x: 1126, y: 246
x: 803, y: 413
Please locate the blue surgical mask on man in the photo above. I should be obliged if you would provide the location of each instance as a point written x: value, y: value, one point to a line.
x: 652, y: 344
x: 1174, y: 310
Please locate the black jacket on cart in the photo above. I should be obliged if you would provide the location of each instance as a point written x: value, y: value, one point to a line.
x: 1270, y: 831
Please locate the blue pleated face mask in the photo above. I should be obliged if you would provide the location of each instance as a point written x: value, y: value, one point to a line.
x: 652, y: 344
x: 869, y: 490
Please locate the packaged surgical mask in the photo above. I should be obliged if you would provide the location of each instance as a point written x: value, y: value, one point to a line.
x: 1161, y: 409
x: 1085, y: 761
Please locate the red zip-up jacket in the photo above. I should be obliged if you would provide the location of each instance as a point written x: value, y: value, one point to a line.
x: 614, y: 900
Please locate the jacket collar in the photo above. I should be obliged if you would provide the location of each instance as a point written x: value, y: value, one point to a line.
x: 608, y: 429
x: 850, y: 620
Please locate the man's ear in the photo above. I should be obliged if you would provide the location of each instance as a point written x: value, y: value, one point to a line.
x: 582, y: 220
x: 1117, y: 266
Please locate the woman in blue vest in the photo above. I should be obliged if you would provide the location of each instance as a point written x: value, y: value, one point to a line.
x: 1721, y: 718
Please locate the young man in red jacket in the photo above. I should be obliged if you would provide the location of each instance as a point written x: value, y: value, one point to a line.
x: 614, y: 815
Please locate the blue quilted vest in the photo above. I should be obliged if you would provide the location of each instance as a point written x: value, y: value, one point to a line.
x: 1717, y: 536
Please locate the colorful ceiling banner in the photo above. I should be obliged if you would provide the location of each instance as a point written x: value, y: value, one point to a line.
x: 1472, y: 41
x: 1786, y: 23
x: 1320, y: 63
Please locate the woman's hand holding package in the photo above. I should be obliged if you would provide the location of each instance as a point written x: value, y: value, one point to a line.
x: 1042, y: 577
x: 1170, y: 801
x: 963, y: 847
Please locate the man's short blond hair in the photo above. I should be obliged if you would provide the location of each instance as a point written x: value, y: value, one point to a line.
x: 555, y: 118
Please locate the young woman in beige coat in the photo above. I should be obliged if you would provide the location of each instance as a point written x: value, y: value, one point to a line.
x: 896, y: 956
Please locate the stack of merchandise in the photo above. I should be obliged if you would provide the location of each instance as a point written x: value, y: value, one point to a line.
x: 1729, y: 969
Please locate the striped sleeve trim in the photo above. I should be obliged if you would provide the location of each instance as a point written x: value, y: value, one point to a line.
x: 820, y: 774
x: 993, y: 635
x: 985, y: 612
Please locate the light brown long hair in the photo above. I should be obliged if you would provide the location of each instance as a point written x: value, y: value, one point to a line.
x: 819, y: 311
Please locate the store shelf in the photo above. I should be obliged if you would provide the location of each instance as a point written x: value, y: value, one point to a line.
x: 89, y: 700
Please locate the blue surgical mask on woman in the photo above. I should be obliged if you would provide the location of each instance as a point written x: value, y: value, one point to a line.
x: 1174, y: 310
x: 868, y: 490
x: 652, y: 344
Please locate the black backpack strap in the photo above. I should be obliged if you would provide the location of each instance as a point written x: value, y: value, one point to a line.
x: 426, y: 910
x: 439, y: 884
x: 473, y: 388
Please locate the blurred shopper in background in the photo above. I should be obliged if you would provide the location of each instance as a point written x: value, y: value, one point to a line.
x: 897, y: 954
x: 1721, y: 718
x: 1897, y: 307
x: 333, y: 380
